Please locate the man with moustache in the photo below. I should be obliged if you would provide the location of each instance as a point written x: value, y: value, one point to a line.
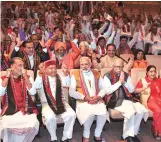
x: 108, y: 60
x: 49, y: 84
x: 31, y: 57
x: 18, y: 116
x: 85, y: 87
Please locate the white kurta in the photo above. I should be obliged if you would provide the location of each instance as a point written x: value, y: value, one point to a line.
x: 49, y: 117
x: 18, y: 127
x: 133, y: 112
x: 83, y: 109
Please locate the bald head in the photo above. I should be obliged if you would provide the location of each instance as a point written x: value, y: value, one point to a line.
x: 118, y: 65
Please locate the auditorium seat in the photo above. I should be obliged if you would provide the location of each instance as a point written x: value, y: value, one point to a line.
x: 154, y: 60
x: 137, y: 74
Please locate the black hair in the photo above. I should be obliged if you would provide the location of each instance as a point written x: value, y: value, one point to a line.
x: 149, y: 67
x: 111, y: 44
x: 100, y: 38
x: 137, y: 51
x: 12, y: 61
x: 25, y: 42
x: 123, y: 37
x: 56, y: 28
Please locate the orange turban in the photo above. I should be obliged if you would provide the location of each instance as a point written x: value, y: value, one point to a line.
x: 59, y: 44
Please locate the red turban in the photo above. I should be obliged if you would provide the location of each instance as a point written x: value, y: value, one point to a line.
x: 49, y: 62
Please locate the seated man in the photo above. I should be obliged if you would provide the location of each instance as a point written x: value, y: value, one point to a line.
x: 52, y: 98
x: 85, y: 86
x: 19, y: 122
x: 108, y: 60
x: 119, y: 85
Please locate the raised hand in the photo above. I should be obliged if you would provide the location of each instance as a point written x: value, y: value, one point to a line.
x: 42, y: 41
x: 8, y: 72
x: 19, y: 41
x: 24, y: 72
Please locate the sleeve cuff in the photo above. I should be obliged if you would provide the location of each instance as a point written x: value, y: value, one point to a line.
x: 45, y: 50
x: 17, y: 48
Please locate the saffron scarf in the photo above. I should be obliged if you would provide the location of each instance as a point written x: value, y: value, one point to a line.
x: 84, y: 86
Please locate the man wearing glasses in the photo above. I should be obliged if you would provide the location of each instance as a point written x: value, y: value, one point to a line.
x: 117, y: 84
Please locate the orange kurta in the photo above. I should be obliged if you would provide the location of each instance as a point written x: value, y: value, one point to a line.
x: 140, y: 64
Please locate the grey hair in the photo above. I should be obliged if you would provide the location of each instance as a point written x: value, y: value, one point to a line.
x: 86, y: 58
x: 84, y: 43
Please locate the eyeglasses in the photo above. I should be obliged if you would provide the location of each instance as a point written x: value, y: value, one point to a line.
x: 119, y: 67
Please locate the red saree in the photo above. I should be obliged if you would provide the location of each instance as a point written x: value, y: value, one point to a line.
x: 154, y: 104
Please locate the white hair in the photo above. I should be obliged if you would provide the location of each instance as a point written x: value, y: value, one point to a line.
x: 86, y: 58
x: 84, y: 43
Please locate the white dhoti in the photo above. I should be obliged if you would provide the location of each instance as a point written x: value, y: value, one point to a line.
x: 50, y: 119
x: 133, y: 114
x: 19, y: 127
x: 86, y: 114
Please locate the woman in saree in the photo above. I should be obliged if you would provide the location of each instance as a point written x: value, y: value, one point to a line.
x: 150, y: 94
x: 140, y: 60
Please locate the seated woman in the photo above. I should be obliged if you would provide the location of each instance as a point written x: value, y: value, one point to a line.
x: 150, y: 90
x: 140, y: 60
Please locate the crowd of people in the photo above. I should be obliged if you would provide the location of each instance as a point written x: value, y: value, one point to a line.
x: 87, y: 36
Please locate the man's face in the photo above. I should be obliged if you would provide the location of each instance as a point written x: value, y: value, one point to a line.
x: 83, y: 50
x: 123, y: 42
x: 51, y: 70
x: 154, y: 30
x: 95, y: 32
x: 35, y: 39
x: 118, y: 66
x: 5, y: 23
x: 7, y: 41
x: 57, y: 31
x: 29, y: 49
x: 102, y: 43
x: 15, y: 31
x: 85, y: 65
x: 82, y: 37
x: 17, y: 67
x: 61, y: 51
x: 111, y: 51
